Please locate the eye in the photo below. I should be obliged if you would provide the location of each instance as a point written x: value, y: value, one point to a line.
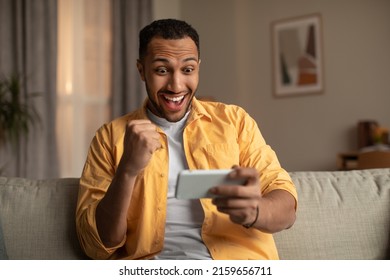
x: 188, y: 70
x: 161, y: 70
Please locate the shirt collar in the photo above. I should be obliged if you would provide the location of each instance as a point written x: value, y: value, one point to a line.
x: 198, y: 111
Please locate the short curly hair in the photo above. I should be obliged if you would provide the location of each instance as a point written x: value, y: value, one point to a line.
x: 167, y: 29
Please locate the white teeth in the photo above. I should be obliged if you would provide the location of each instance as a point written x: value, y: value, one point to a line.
x: 174, y: 99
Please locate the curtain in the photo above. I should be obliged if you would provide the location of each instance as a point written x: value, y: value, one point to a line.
x: 28, y: 47
x: 128, y: 92
x: 83, y: 78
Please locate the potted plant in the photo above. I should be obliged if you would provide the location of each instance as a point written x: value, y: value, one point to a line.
x: 16, y: 115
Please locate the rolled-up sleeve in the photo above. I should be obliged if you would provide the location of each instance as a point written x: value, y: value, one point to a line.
x: 94, y: 182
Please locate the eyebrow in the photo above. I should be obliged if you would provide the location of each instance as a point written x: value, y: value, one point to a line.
x: 161, y: 59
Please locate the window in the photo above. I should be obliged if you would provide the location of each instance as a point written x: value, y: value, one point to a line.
x: 84, y: 80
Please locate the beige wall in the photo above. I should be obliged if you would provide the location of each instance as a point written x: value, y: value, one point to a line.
x: 307, y: 131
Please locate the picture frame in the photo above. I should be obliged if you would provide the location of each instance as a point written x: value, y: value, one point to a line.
x: 297, y: 56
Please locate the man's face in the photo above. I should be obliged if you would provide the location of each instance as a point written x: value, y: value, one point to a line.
x: 170, y: 71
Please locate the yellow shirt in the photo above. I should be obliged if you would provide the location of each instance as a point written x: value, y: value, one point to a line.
x: 217, y: 136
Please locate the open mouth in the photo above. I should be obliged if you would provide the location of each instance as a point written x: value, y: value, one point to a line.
x: 177, y: 99
x: 174, y: 103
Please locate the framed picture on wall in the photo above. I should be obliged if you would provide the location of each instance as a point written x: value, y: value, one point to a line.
x: 297, y: 57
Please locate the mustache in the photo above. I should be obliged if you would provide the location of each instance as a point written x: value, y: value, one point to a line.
x: 173, y: 93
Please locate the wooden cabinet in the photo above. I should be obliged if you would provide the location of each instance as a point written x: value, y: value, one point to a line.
x: 347, y: 160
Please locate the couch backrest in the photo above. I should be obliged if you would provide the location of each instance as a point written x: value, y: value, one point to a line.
x: 38, y: 218
x: 341, y: 215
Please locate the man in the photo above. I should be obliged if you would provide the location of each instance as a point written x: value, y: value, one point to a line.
x: 126, y: 207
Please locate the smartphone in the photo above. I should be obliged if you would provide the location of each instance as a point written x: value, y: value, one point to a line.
x: 194, y: 184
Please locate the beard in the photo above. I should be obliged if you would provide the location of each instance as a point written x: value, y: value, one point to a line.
x: 159, y: 111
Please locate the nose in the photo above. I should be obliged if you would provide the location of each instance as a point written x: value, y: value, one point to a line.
x: 176, y: 83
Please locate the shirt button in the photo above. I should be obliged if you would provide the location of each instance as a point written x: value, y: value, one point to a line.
x: 162, y: 175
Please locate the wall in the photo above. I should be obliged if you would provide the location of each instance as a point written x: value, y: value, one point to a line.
x: 166, y: 8
x: 307, y: 132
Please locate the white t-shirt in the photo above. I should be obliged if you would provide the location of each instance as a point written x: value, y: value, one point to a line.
x: 184, y: 217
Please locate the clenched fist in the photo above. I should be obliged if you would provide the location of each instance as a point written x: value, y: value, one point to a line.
x: 140, y: 142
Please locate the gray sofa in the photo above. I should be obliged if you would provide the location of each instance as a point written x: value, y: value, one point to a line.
x: 341, y: 215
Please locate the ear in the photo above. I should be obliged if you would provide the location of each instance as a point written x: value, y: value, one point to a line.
x: 141, y: 69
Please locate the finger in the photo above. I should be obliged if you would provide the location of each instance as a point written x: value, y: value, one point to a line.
x: 243, y: 217
x: 235, y: 203
x: 231, y: 191
x: 151, y: 135
x: 156, y: 145
x: 250, y: 175
x: 140, y: 121
x: 141, y: 125
x: 240, y: 215
x: 151, y: 139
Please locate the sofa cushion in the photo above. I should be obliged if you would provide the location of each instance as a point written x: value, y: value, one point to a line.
x: 340, y: 215
x: 38, y: 218
x: 3, y: 253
